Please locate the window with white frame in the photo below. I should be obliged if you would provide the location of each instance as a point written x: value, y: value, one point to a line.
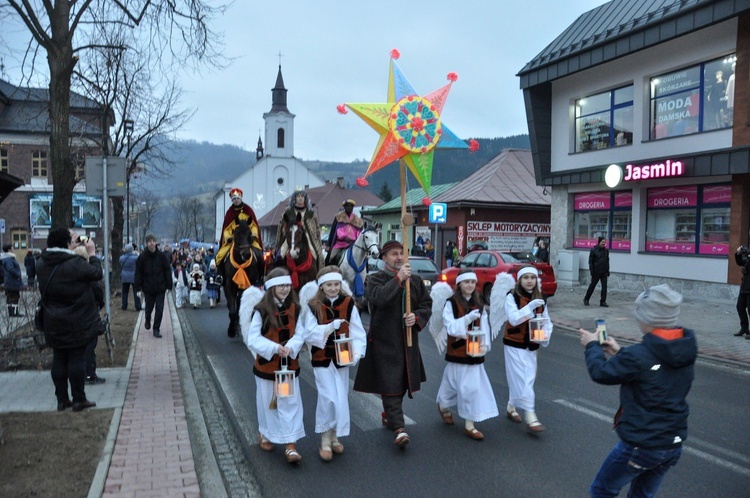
x: 39, y: 163
x: 693, y: 99
x: 3, y: 160
x: 604, y: 120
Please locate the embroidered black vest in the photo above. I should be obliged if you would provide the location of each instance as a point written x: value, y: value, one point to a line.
x: 455, y: 351
x: 341, y: 308
x: 288, y: 317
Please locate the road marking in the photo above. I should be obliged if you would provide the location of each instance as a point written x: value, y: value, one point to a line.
x: 686, y: 447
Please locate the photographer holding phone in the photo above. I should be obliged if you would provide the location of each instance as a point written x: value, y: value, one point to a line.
x: 743, y: 298
x: 655, y: 377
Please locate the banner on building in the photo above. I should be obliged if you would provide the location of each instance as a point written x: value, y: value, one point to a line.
x: 504, y: 235
x: 87, y: 211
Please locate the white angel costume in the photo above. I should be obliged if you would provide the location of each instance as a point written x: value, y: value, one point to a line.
x: 520, y: 352
x: 465, y: 384
x: 283, y: 424
x: 331, y: 379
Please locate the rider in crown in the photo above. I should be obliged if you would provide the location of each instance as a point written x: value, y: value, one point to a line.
x: 345, y: 229
x: 236, y: 212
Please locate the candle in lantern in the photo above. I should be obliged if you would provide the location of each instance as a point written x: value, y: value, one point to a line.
x: 284, y: 389
x: 344, y: 358
x: 471, y: 347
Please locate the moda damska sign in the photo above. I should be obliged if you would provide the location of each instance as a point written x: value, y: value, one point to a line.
x: 666, y: 169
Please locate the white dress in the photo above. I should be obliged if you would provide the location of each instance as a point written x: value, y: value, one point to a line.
x: 283, y: 425
x: 467, y: 386
x: 332, y: 410
x: 520, y: 364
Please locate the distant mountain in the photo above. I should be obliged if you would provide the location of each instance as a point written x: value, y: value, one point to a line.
x: 203, y: 167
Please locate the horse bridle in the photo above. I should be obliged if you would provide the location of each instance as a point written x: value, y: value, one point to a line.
x: 365, y: 249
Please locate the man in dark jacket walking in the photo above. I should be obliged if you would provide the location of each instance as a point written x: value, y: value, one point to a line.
x: 391, y: 368
x: 153, y: 276
x: 743, y: 298
x: 655, y: 378
x: 12, y: 281
x: 71, y: 313
x: 599, y: 268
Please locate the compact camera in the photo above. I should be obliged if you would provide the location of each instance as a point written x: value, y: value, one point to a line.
x: 82, y: 239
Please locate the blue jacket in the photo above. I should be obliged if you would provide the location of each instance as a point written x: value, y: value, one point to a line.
x: 655, y: 378
x: 127, y: 267
x: 12, y: 270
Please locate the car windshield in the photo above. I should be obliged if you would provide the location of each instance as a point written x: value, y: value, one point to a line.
x: 423, y: 265
x: 525, y: 257
x: 509, y: 258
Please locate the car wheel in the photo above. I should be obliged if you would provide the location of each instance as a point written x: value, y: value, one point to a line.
x: 487, y: 293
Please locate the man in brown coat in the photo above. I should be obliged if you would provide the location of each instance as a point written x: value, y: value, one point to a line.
x: 390, y: 368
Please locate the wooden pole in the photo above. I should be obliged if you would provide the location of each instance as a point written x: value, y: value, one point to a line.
x: 405, y: 243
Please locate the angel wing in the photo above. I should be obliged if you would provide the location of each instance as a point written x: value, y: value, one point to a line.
x: 440, y: 293
x: 306, y: 293
x: 250, y: 297
x: 504, y: 282
x: 345, y: 287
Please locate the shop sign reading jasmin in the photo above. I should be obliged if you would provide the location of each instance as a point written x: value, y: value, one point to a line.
x: 614, y: 174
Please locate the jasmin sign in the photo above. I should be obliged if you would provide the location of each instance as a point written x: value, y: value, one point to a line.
x: 668, y: 168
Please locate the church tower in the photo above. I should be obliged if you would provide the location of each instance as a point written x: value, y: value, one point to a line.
x: 259, y: 150
x: 279, y: 123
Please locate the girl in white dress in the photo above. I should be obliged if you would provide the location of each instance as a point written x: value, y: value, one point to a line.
x: 268, y: 329
x: 521, y: 305
x: 332, y: 315
x: 465, y: 383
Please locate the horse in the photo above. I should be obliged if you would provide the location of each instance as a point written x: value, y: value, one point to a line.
x: 243, y: 266
x: 300, y: 262
x: 354, y: 262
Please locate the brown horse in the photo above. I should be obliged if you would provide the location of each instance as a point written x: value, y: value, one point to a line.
x: 242, y: 257
x: 300, y: 261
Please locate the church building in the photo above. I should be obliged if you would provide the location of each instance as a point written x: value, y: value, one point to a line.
x: 277, y: 173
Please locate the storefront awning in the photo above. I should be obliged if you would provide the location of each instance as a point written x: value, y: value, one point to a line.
x: 8, y: 184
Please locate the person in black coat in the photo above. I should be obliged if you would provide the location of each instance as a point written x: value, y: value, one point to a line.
x: 30, y: 263
x: 153, y: 277
x: 743, y: 298
x: 599, y: 268
x: 543, y: 252
x: 71, y: 313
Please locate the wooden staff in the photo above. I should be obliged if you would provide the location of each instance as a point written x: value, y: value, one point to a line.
x: 405, y: 222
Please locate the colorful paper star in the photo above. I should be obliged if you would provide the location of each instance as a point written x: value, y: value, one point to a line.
x: 409, y: 126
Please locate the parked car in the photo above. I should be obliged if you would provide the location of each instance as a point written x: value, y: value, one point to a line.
x: 420, y: 265
x: 487, y: 264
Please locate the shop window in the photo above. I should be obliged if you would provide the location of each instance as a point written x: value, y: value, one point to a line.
x: 604, y: 120
x: 603, y: 214
x: 689, y: 219
x: 693, y: 99
x: 39, y: 163
x: 3, y: 160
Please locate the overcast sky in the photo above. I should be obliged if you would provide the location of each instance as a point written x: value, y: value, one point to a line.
x: 336, y: 51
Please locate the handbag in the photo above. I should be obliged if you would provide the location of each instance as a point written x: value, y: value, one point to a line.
x: 39, y: 314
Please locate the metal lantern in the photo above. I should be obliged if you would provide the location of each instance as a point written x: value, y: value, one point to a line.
x: 344, y: 350
x: 475, y: 343
x: 284, y: 381
x: 537, y: 329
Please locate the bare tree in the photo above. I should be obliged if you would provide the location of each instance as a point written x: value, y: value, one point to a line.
x: 174, y: 33
x: 148, y: 205
x: 181, y: 217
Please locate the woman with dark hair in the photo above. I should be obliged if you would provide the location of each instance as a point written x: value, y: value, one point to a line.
x: 71, y: 314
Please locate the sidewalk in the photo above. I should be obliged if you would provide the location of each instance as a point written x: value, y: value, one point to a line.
x: 714, y: 322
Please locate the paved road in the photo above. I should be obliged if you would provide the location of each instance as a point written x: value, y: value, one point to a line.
x: 441, y: 461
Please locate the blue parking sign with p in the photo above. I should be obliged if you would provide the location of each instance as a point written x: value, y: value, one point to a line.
x: 438, y: 212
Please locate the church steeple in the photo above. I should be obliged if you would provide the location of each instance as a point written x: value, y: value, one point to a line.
x: 259, y: 150
x: 279, y: 95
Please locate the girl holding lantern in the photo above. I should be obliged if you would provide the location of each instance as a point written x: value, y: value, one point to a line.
x: 268, y: 326
x: 528, y: 328
x: 465, y: 336
x: 334, y: 331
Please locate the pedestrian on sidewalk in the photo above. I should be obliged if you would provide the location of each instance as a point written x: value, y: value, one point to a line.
x: 392, y: 368
x: 30, y: 263
x: 153, y: 277
x: 465, y: 384
x: 13, y: 281
x: 270, y: 331
x: 71, y: 315
x: 599, y: 268
x: 655, y: 377
x: 332, y: 315
x: 521, y: 305
x: 743, y: 298
x: 127, y: 276
x: 90, y: 358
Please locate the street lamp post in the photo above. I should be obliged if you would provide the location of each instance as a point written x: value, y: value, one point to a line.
x: 128, y: 126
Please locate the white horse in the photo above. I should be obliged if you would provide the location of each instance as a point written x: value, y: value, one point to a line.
x: 354, y: 262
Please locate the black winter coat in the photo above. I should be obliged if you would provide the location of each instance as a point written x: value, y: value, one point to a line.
x: 153, y: 273
x: 389, y: 366
x: 743, y: 260
x: 71, y: 311
x: 599, y: 261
